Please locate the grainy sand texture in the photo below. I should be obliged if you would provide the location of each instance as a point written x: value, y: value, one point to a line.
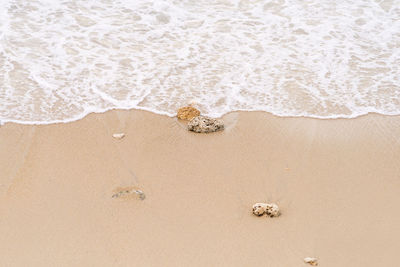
x: 72, y: 195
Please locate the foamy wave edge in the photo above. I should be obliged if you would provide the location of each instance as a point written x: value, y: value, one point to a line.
x: 275, y: 113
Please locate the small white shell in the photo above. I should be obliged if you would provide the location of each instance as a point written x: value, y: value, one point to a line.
x: 259, y: 209
x: 272, y: 210
x: 118, y: 135
x: 311, y: 261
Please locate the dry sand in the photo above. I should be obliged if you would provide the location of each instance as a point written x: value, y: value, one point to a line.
x: 337, y: 183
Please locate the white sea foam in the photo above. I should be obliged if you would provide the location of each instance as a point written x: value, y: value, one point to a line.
x: 60, y: 60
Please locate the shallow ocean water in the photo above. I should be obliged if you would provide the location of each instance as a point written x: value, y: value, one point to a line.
x: 60, y: 60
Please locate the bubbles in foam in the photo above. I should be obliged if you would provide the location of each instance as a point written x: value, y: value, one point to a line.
x: 62, y: 60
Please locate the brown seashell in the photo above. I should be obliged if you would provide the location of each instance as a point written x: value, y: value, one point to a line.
x: 187, y: 113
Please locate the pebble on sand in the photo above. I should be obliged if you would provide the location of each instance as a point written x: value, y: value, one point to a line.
x: 311, y: 261
x: 270, y: 209
x: 259, y: 209
x: 119, y: 135
x: 203, y: 124
x: 187, y: 113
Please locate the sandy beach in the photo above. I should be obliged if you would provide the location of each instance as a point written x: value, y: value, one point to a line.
x: 337, y: 183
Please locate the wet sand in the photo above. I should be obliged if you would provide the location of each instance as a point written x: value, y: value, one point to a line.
x: 67, y: 192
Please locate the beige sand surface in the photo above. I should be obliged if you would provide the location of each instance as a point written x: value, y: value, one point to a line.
x: 337, y: 183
